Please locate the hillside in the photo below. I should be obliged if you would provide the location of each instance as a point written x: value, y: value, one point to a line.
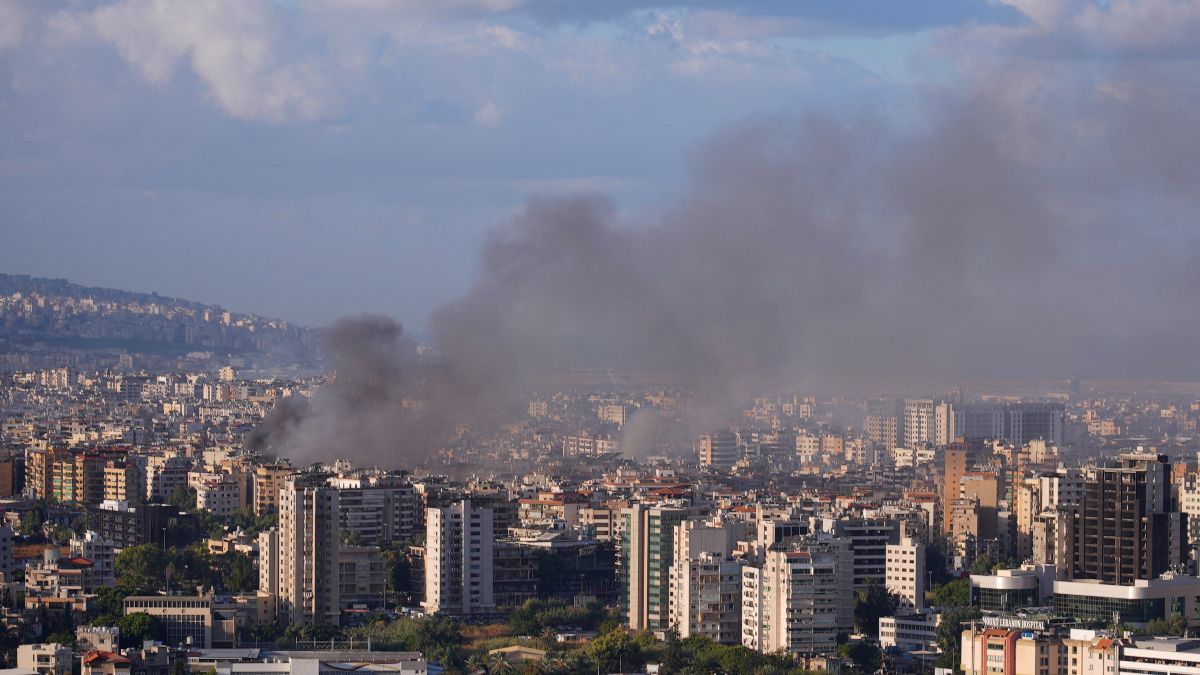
x: 55, y: 314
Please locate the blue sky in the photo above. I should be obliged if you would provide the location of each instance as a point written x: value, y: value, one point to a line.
x: 311, y: 158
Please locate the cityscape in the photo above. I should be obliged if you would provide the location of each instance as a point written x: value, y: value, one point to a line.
x: 153, y: 521
x: 662, y: 337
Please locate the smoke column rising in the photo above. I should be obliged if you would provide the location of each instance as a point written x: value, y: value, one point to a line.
x: 1002, y: 235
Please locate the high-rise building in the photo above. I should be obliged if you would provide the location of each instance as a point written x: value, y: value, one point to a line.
x: 799, y: 600
x: 869, y: 539
x: 1128, y: 527
x: 705, y: 584
x: 459, y: 552
x: 164, y: 475
x: 122, y: 483
x: 905, y: 575
x: 309, y: 544
x: 647, y: 553
x: 375, y: 512
x: 957, y: 458
x: 883, y: 423
x: 267, y: 481
x: 718, y: 449
x: 918, y: 422
x: 1018, y: 423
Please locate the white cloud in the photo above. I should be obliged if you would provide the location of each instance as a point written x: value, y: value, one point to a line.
x: 489, y: 115
x: 230, y: 45
x: 14, y: 16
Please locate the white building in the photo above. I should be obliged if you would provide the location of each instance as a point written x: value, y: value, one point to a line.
x: 102, y: 553
x: 309, y: 544
x: 459, y: 549
x: 705, y: 586
x: 222, y: 497
x: 48, y: 659
x: 910, y: 632
x: 905, y: 572
x: 799, y: 600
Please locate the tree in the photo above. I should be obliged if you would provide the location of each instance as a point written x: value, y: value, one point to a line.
x: 612, y: 652
x: 138, y: 627
x: 1172, y: 625
x: 870, y: 603
x: 65, y: 638
x: 238, y: 573
x: 110, y: 600
x: 867, y: 657
x: 955, y: 593
x: 949, y: 634
x: 183, y: 498
x: 672, y: 653
x: 983, y: 565
x: 140, y: 568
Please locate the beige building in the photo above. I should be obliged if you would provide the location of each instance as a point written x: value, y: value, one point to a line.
x: 1010, y: 651
x: 47, y: 659
x: 905, y: 572
x: 309, y: 544
x: 268, y: 481
x: 800, y: 599
x: 185, y: 619
x: 122, y: 483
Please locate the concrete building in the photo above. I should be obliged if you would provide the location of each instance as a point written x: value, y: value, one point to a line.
x: 222, y: 496
x: 918, y: 422
x: 800, y: 599
x: 718, y: 449
x: 47, y: 659
x: 101, y: 552
x: 646, y: 554
x: 186, y: 619
x: 296, y: 662
x: 1127, y: 526
x: 267, y: 480
x: 164, y: 475
x: 904, y: 573
x: 459, y: 552
x: 1137, y: 603
x: 910, y: 632
x: 309, y: 544
x: 376, y: 512
x: 705, y: 583
x: 1012, y: 590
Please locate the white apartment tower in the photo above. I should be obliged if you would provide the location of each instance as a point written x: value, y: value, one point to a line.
x: 905, y: 574
x: 705, y: 586
x: 459, y: 549
x: 918, y: 422
x: 309, y: 545
x: 798, y: 600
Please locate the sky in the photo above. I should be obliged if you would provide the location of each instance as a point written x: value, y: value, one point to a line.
x: 313, y: 159
x: 309, y: 158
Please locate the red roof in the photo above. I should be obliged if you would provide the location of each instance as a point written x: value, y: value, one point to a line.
x: 97, y: 655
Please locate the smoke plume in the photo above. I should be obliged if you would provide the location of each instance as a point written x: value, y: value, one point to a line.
x: 1026, y: 224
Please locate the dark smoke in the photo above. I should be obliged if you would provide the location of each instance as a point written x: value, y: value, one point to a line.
x: 284, y: 416
x: 1006, y: 235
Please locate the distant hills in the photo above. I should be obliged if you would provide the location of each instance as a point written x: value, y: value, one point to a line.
x: 57, y: 314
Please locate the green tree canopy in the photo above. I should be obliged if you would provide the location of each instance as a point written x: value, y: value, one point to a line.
x: 870, y: 604
x: 137, y: 627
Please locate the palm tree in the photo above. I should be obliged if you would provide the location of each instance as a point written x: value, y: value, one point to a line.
x: 475, y: 664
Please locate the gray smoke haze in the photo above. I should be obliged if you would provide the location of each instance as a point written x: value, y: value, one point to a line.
x: 991, y: 233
